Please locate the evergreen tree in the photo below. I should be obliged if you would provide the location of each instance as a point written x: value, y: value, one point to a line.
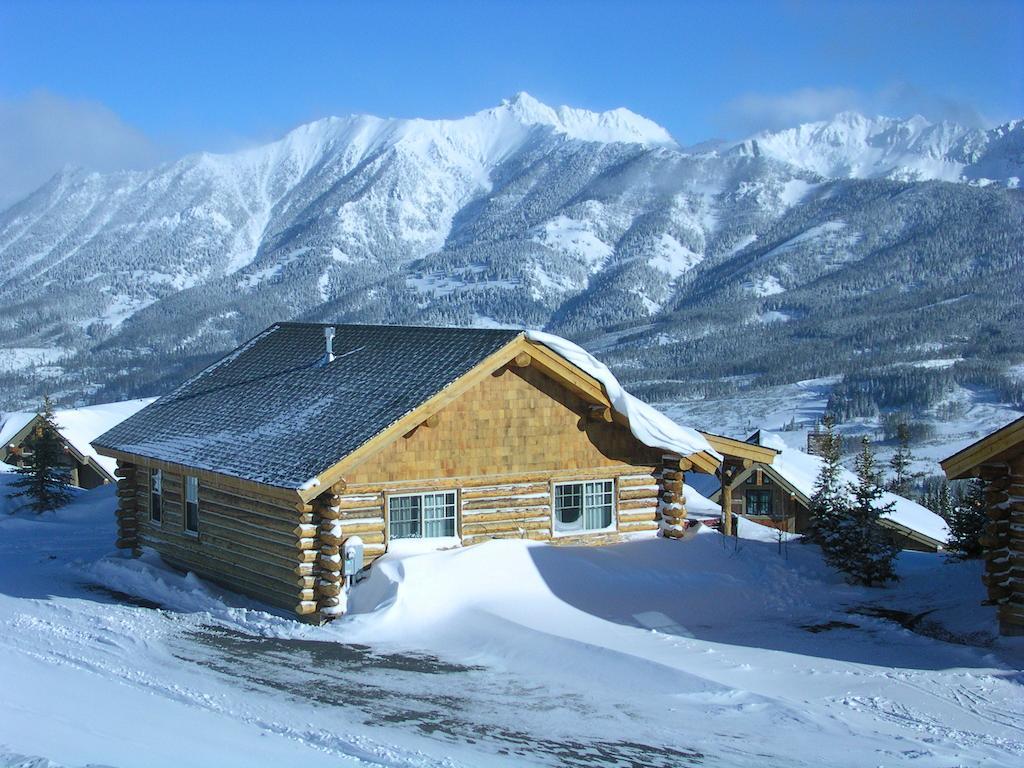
x: 867, y: 553
x: 828, y: 502
x: 44, y: 477
x: 967, y: 521
x: 900, y: 462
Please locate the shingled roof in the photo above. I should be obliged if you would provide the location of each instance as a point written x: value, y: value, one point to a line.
x: 273, y: 413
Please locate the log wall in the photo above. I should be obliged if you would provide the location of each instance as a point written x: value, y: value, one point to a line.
x: 247, y: 541
x: 1003, y: 540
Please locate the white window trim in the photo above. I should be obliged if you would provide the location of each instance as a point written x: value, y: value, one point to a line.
x: 184, y: 507
x: 555, y: 533
x: 152, y: 519
x: 387, y: 513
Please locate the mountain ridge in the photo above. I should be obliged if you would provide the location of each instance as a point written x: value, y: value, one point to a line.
x: 521, y: 214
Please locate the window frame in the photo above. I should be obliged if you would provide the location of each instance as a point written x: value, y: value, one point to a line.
x: 455, y: 516
x: 611, y: 527
x: 156, y: 495
x: 188, y: 480
x: 764, y: 493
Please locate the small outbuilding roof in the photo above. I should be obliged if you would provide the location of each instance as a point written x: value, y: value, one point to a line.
x: 799, y: 471
x: 77, y: 426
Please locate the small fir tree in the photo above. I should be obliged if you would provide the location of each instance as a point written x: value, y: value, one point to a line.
x: 967, y: 520
x: 900, y: 463
x: 828, y: 502
x: 944, y: 506
x: 869, y: 553
x: 43, y: 479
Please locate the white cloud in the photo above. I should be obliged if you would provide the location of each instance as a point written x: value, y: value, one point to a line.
x: 757, y: 111
x: 43, y: 132
x: 753, y: 112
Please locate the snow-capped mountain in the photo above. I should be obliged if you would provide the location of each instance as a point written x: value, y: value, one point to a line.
x: 520, y: 214
x: 851, y: 145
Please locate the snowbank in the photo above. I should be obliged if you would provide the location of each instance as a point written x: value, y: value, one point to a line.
x: 801, y: 470
x: 698, y: 506
x: 651, y: 427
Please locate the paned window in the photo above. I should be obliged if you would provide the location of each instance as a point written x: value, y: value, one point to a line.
x: 422, y: 515
x: 759, y: 503
x: 191, y: 504
x: 156, y: 495
x: 583, y: 507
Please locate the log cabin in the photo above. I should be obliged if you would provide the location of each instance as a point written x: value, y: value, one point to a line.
x: 998, y: 461
x: 311, y: 443
x: 75, y: 428
x: 778, y: 494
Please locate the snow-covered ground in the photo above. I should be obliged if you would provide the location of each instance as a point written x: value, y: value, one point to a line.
x: 708, y: 651
x: 803, y: 403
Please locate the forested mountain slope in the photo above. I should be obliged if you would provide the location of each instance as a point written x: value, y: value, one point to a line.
x: 812, y: 251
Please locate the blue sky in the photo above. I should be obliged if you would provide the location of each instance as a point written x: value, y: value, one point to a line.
x: 176, y: 76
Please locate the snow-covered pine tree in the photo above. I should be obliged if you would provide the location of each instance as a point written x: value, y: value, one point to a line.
x: 900, y: 463
x: 44, y: 477
x: 828, y: 502
x: 967, y: 520
x: 868, y: 552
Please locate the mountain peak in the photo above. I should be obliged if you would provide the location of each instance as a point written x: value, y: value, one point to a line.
x: 853, y: 145
x: 616, y: 125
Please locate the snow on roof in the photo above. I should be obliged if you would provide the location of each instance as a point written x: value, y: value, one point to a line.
x: 648, y: 425
x: 699, y: 506
x: 79, y: 426
x: 801, y: 470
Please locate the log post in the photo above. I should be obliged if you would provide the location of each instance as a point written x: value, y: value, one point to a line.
x: 727, y: 503
x: 1003, y: 542
x: 330, y: 600
x: 127, y: 508
x: 671, y: 501
x: 308, y: 556
x: 728, y: 474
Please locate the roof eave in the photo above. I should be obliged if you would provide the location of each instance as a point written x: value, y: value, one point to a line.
x: 966, y: 462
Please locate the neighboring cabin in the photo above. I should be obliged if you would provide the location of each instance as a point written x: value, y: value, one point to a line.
x: 264, y: 470
x: 779, y: 495
x: 76, y: 428
x: 998, y: 460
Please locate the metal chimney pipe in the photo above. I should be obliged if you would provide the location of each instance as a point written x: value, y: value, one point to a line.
x: 329, y: 341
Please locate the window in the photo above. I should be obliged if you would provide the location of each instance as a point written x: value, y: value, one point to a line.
x: 422, y: 515
x: 752, y: 478
x: 191, y: 504
x: 759, y: 503
x: 156, y: 495
x: 584, y: 506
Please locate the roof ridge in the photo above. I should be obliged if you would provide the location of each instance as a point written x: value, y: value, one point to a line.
x: 301, y: 324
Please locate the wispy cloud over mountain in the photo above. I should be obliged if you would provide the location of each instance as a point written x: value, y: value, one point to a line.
x: 44, y: 132
x: 753, y: 112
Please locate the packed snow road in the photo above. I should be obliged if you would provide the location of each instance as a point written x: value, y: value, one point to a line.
x: 707, y: 652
